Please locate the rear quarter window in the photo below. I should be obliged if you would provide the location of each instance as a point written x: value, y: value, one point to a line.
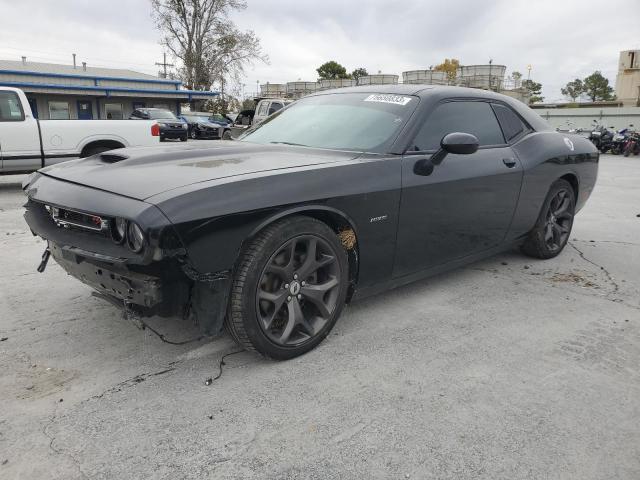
x: 511, y: 124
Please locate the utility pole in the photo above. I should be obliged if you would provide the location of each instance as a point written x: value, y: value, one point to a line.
x: 164, y: 64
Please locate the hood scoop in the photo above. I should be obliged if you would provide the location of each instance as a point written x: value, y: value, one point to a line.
x: 112, y: 157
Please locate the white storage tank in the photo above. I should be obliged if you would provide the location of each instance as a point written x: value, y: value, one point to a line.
x: 273, y: 90
x: 336, y: 83
x: 300, y: 89
x: 378, y: 79
x: 425, y: 77
x: 488, y: 77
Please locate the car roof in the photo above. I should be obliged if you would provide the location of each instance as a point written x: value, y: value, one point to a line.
x: 438, y: 92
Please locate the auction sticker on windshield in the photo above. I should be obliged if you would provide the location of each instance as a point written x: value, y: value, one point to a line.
x: 384, y: 98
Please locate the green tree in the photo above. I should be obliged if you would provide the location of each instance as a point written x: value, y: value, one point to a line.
x: 573, y: 89
x: 248, y: 104
x: 359, y: 72
x: 331, y: 70
x: 596, y: 87
x: 450, y: 66
x: 535, y: 90
x: 517, y: 79
x: 202, y: 35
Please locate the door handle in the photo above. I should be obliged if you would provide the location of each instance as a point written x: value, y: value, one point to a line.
x: 509, y: 162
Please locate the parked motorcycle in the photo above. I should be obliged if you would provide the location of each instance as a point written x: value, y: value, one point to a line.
x: 619, y: 142
x: 601, y: 137
x: 632, y: 144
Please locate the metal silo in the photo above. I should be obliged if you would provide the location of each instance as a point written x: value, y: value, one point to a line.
x: 328, y: 83
x: 273, y: 90
x: 487, y: 77
x: 378, y: 79
x: 425, y: 77
x: 300, y: 89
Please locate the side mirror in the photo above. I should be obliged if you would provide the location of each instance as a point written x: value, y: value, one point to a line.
x: 460, y: 143
x: 457, y: 143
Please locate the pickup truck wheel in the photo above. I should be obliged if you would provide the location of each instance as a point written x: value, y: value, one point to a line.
x: 551, y: 233
x: 183, y: 139
x: 227, y: 135
x: 289, y: 288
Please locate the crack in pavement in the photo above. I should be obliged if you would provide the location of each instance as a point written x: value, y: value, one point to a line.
x: 607, y: 241
x: 57, y: 451
x: 130, y: 382
x: 616, y: 287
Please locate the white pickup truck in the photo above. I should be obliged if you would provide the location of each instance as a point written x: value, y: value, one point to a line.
x: 27, y: 144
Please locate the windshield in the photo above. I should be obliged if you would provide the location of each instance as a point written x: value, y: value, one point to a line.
x: 158, y: 114
x: 342, y: 121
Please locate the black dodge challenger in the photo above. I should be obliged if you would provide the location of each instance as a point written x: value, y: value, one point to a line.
x: 341, y: 195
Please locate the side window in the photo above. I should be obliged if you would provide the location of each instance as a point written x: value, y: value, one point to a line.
x: 511, y: 124
x: 475, y: 118
x: 59, y: 111
x: 275, y: 106
x: 10, y: 108
x: 263, y: 108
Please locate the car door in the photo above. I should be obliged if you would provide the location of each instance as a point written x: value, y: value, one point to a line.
x: 19, y: 137
x: 465, y: 205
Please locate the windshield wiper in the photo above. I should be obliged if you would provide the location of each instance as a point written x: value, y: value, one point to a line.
x: 289, y: 143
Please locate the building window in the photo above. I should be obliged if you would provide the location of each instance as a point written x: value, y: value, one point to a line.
x: 59, y: 111
x: 113, y: 111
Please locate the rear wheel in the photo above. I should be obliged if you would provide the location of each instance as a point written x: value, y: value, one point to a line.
x: 551, y: 233
x: 289, y: 288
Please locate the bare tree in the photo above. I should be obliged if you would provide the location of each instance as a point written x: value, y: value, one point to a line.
x: 202, y: 36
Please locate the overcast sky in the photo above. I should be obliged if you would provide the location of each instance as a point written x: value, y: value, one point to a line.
x: 560, y: 39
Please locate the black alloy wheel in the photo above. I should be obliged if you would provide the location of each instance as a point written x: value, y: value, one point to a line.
x: 559, y: 220
x: 298, y: 290
x: 290, y: 285
x: 551, y: 233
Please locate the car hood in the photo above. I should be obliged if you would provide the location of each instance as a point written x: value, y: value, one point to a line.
x: 142, y: 172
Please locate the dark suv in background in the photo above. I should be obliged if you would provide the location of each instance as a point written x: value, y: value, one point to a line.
x: 170, y: 125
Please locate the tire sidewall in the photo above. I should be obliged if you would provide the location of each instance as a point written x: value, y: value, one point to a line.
x: 287, y: 231
x: 557, y: 186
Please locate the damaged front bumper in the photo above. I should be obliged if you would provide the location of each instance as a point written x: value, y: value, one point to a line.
x: 158, y: 281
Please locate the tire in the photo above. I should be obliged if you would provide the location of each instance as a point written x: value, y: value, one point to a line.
x: 183, y: 139
x: 193, y: 134
x: 162, y: 139
x: 555, y: 221
x: 227, y: 135
x: 282, y: 304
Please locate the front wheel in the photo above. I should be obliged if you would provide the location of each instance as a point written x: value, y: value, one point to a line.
x: 551, y: 233
x: 289, y: 288
x: 183, y: 139
x: 194, y: 134
x: 227, y: 135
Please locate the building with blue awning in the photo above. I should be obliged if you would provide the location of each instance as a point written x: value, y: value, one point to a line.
x: 65, y: 92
